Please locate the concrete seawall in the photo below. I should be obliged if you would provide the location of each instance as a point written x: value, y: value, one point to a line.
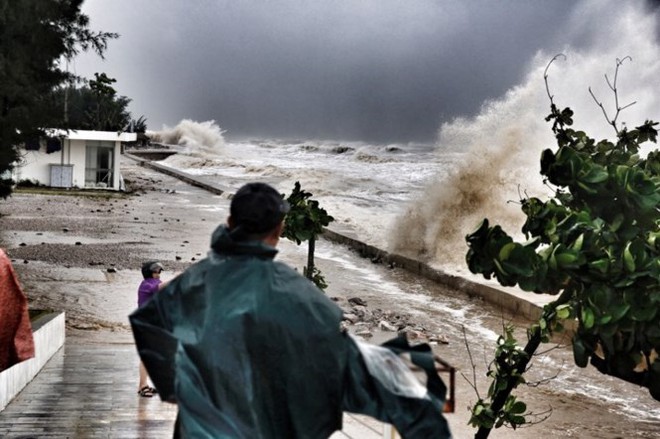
x: 529, y: 307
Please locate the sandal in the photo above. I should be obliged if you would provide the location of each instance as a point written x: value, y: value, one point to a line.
x: 146, y: 392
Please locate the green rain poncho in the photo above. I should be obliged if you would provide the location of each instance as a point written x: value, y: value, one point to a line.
x: 249, y: 348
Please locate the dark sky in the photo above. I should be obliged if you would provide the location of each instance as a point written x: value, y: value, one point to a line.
x: 373, y: 70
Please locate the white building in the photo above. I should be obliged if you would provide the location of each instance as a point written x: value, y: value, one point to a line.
x: 86, y: 159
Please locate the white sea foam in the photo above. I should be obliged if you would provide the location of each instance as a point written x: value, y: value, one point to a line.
x: 200, y: 139
x: 506, y: 139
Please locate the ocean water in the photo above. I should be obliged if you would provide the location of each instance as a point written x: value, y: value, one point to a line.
x: 422, y: 199
x: 365, y: 187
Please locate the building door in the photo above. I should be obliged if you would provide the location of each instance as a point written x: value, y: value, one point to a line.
x: 61, y: 175
x: 99, y: 164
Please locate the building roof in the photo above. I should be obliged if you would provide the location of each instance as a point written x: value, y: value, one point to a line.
x: 112, y: 136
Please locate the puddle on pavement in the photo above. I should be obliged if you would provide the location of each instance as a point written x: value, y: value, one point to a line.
x: 15, y: 239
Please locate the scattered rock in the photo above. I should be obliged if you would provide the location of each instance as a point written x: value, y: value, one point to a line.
x: 364, y: 321
x: 357, y: 301
x: 386, y: 326
x: 362, y: 312
x: 438, y: 339
x: 112, y: 270
x: 413, y: 335
x: 351, y: 318
x: 364, y: 333
x: 85, y: 326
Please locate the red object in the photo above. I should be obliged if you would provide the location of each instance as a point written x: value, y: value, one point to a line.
x: 16, y: 342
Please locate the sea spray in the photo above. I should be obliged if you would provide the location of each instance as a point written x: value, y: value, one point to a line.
x: 200, y: 144
x: 498, y: 168
x: 505, y: 140
x: 197, y: 138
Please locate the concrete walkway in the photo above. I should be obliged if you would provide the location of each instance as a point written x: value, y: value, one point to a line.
x: 89, y: 390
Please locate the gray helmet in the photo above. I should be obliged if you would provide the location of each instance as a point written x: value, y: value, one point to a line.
x: 150, y: 267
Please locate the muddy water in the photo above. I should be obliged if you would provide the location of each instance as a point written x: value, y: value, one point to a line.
x: 582, y: 403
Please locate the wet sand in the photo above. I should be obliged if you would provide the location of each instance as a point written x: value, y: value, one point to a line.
x: 81, y: 254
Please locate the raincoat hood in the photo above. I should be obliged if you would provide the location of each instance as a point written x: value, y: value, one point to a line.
x: 223, y: 242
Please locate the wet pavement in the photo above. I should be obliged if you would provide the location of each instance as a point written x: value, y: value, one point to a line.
x: 88, y: 389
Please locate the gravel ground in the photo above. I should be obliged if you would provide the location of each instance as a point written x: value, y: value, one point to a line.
x: 80, y: 231
x: 93, y: 243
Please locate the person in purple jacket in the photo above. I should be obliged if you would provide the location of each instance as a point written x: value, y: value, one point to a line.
x: 148, y: 287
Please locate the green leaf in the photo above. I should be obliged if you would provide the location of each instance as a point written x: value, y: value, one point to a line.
x: 580, y: 353
x: 600, y: 265
x: 596, y: 174
x: 628, y: 259
x: 563, y: 311
x: 587, y: 317
x: 644, y: 314
x: 518, y: 407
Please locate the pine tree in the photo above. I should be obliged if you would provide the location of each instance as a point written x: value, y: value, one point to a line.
x: 36, y: 37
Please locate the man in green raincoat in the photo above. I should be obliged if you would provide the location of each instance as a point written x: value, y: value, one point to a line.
x: 249, y: 348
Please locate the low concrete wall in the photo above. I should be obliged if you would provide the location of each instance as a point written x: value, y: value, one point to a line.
x: 495, y: 296
x: 49, y: 333
x: 151, y: 154
x: 184, y: 176
x: 500, y: 298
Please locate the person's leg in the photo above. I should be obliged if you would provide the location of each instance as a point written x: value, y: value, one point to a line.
x: 143, y: 376
x: 143, y: 387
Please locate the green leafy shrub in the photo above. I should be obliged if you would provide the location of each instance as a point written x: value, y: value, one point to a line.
x: 595, y: 242
x: 304, y: 222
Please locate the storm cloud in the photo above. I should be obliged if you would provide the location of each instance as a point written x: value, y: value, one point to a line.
x: 373, y: 70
